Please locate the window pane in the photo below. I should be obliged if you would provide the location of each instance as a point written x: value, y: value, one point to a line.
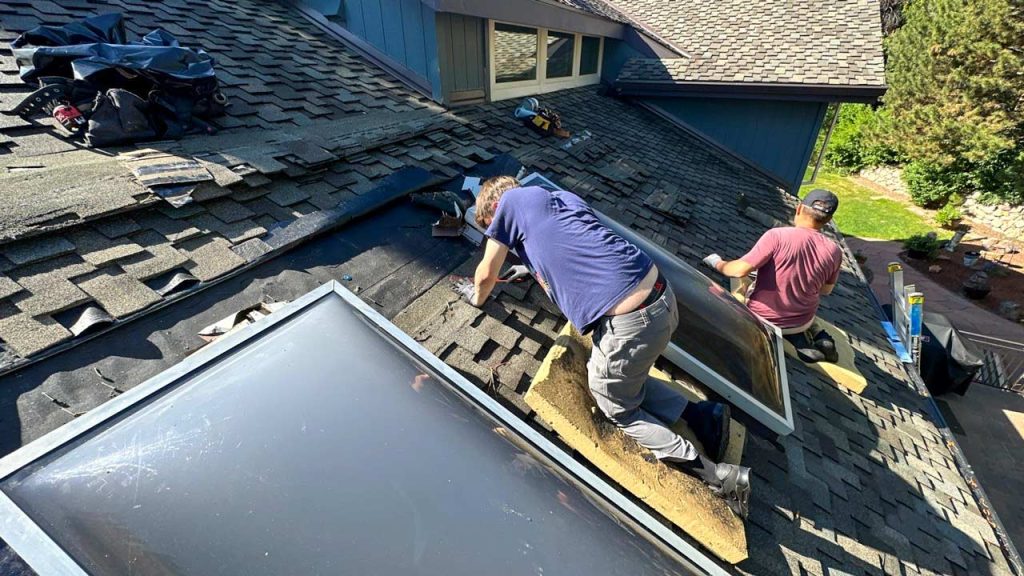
x: 590, y: 53
x: 271, y: 460
x: 560, y: 50
x: 515, y: 53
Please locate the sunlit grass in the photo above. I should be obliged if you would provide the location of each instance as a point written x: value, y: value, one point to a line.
x: 865, y: 213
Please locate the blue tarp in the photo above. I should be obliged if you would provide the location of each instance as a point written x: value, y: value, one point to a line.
x: 81, y: 50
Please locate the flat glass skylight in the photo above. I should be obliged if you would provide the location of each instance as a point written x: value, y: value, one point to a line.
x: 319, y: 440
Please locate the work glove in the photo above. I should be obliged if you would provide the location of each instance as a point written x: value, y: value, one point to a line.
x: 517, y: 273
x: 465, y: 288
x: 713, y: 260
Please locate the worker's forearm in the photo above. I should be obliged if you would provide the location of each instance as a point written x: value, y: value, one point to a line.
x: 484, y: 281
x: 734, y: 268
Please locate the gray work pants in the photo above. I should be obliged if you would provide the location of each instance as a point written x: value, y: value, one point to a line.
x: 625, y: 348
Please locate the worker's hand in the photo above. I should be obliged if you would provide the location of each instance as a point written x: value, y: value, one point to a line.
x: 713, y: 260
x: 517, y: 273
x: 465, y: 288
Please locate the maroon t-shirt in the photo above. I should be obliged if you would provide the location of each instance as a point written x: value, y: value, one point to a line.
x: 792, y: 266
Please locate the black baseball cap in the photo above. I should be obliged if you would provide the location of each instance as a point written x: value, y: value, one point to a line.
x: 822, y: 200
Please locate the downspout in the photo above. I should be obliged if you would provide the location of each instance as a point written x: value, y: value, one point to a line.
x: 824, y: 145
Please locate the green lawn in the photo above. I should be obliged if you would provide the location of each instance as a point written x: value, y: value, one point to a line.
x: 865, y: 213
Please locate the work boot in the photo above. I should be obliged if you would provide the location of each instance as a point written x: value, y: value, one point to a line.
x: 710, y: 422
x: 805, y: 349
x: 732, y: 484
x: 824, y: 343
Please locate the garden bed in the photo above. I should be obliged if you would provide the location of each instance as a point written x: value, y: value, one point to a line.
x: 1006, y: 279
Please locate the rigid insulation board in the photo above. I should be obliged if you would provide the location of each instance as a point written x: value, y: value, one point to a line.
x: 319, y: 440
x: 719, y: 341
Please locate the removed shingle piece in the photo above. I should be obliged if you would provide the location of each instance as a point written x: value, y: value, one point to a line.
x: 64, y: 189
x: 211, y: 257
x: 118, y: 293
x: 36, y: 249
x: 98, y: 250
x: 27, y: 335
x: 160, y: 169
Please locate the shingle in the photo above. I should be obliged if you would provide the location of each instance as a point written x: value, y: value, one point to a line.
x: 36, y: 249
x: 119, y: 294
x: 98, y: 249
x: 8, y: 287
x: 174, y: 230
x: 47, y: 287
x: 735, y: 41
x: 27, y: 335
x: 116, y: 226
x: 228, y: 210
x: 210, y: 257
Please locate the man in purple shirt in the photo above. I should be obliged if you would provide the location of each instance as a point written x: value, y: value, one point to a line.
x: 795, y: 266
x: 610, y: 289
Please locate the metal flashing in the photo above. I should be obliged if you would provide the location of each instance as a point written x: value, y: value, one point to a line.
x: 542, y: 493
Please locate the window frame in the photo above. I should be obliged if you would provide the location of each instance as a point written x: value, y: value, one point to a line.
x: 542, y: 84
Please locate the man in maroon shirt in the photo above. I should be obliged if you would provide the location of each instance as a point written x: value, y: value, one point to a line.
x: 795, y: 266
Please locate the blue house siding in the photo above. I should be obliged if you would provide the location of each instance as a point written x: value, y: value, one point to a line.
x: 616, y: 53
x: 405, y: 30
x: 776, y: 135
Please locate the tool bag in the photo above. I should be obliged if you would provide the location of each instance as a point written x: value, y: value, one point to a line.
x: 540, y: 119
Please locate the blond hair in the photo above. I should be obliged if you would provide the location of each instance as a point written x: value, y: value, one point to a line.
x: 490, y: 193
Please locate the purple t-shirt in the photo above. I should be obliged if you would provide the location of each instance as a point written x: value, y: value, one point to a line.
x: 584, y: 267
x: 792, y: 266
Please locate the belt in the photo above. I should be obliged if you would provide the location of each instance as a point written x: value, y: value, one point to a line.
x: 656, y: 292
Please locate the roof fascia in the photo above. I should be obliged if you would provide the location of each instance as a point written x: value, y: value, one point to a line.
x: 752, y: 90
x: 533, y: 13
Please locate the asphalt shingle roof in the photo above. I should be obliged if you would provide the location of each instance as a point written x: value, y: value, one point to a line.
x: 864, y: 485
x: 835, y: 42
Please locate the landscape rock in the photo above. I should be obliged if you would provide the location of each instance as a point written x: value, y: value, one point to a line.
x: 935, y: 268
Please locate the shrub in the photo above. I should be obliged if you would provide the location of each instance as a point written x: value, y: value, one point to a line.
x: 931, y: 185
x: 956, y: 80
x: 857, y: 140
x: 926, y: 243
x: 949, y: 215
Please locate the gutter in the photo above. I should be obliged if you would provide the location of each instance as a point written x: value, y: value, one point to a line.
x: 1013, y: 557
x: 790, y: 91
x: 404, y: 75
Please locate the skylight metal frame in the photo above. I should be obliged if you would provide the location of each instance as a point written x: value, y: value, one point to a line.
x: 48, y: 558
x: 782, y: 424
